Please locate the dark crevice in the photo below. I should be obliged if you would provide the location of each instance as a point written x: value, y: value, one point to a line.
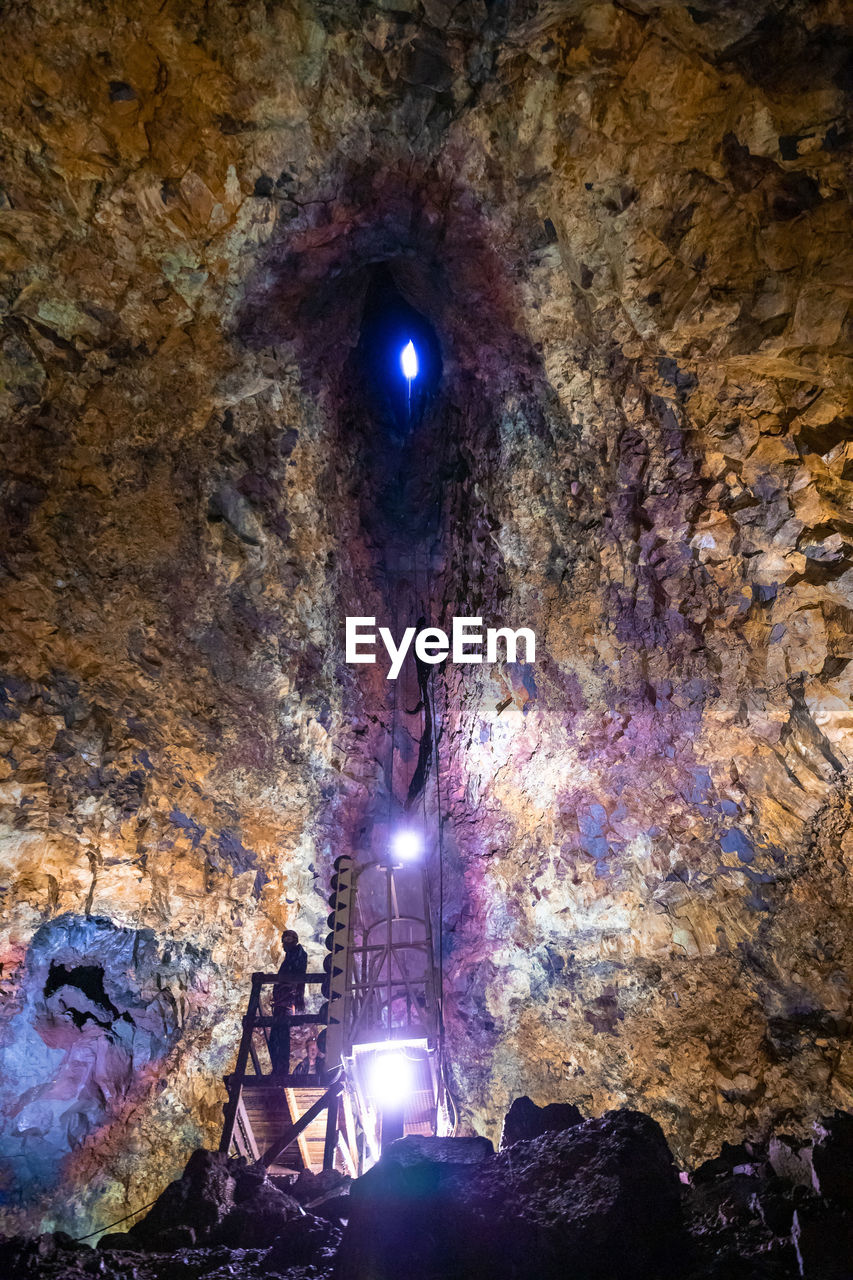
x: 87, y: 978
x: 397, y: 429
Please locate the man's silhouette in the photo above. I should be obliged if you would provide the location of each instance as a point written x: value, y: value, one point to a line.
x: 288, y: 998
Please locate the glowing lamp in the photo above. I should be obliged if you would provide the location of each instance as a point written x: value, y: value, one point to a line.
x: 407, y: 845
x: 390, y: 1080
x: 409, y: 361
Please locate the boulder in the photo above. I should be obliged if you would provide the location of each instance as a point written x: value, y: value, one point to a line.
x: 197, y: 1202
x: 307, y: 1241
x: 216, y: 1201
x: 313, y: 1188
x: 258, y: 1221
x: 822, y: 1235
x: 416, y: 1151
x: 121, y: 1240
x: 50, y: 1254
x: 325, y: 1194
x: 597, y: 1200
x: 740, y: 1222
x: 525, y: 1120
x: 781, y: 1210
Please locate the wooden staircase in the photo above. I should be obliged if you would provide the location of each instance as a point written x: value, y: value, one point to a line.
x: 267, y: 1110
x: 378, y: 988
x: 285, y: 1122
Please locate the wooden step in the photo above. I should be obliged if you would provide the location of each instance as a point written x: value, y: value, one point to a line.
x: 267, y: 1112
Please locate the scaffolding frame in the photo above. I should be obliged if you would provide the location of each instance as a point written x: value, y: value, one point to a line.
x: 379, y: 983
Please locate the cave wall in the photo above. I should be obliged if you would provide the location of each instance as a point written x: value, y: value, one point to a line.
x: 628, y: 226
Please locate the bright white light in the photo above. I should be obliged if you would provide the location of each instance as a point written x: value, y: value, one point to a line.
x: 409, y: 361
x: 407, y: 845
x: 391, y: 1078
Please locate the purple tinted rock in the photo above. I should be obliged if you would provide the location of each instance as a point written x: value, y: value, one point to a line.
x: 822, y: 1236
x: 832, y: 1157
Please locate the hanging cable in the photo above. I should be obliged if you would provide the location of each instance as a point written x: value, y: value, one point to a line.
x: 442, y: 1054
x: 102, y: 1230
x: 440, y: 872
x: 393, y: 712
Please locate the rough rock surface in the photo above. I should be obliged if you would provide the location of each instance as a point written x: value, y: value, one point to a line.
x: 218, y: 1201
x: 599, y: 1199
x: 761, y: 1209
x: 628, y: 227
x: 220, y: 1218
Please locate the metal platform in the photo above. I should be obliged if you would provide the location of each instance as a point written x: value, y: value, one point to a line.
x: 380, y: 1013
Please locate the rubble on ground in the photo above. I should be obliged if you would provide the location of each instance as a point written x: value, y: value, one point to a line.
x: 594, y: 1199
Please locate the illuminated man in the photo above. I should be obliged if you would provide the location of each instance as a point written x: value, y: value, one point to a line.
x: 288, y: 998
x: 313, y: 1063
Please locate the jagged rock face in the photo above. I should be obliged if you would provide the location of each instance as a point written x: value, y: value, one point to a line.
x: 627, y: 227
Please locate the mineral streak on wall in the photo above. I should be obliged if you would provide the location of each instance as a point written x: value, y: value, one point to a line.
x: 627, y: 225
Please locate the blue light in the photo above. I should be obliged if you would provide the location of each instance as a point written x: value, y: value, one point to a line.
x: 407, y: 845
x: 409, y: 361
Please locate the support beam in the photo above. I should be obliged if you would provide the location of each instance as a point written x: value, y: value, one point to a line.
x: 348, y: 1130
x: 343, y: 1147
x: 240, y: 1070
x: 331, y: 1144
x: 302, y: 1139
x: 292, y: 1133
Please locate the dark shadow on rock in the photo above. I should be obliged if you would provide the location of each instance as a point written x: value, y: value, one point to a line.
x: 224, y: 1202
x: 525, y: 1120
